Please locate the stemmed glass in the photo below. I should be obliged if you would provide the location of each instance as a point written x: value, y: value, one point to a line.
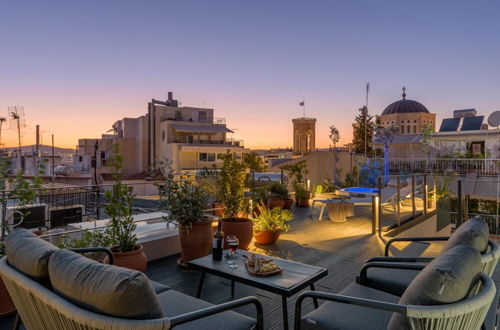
x: 232, y: 242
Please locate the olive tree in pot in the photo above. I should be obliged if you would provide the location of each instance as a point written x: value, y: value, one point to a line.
x: 120, y: 228
x: 232, y: 179
x: 207, y: 179
x: 185, y: 204
x: 297, y: 173
x: 270, y: 223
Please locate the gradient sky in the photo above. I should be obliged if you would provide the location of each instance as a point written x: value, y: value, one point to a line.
x: 77, y: 66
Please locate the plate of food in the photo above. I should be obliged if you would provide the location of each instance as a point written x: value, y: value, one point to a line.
x: 260, y: 266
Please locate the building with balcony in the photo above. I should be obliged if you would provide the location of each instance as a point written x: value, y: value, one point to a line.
x: 190, y: 138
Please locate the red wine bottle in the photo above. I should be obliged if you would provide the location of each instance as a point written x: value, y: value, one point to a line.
x: 218, y: 242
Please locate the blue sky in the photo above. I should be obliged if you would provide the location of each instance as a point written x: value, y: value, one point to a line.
x: 77, y: 66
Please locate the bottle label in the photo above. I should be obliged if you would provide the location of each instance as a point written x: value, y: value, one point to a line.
x: 218, y: 243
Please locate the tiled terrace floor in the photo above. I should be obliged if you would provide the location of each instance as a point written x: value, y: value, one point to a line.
x: 342, y: 248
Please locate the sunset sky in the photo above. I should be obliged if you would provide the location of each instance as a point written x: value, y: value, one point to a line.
x: 77, y: 66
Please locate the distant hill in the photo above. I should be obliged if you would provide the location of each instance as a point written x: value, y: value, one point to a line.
x: 44, y: 149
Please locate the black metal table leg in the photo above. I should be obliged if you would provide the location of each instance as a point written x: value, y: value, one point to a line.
x: 200, y: 286
x: 285, y: 312
x: 232, y: 289
x: 315, y: 301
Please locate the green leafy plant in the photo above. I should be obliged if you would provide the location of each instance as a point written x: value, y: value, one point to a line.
x: 207, y: 179
x: 301, y: 192
x: 120, y: 198
x: 253, y: 161
x: 185, y: 203
x: 278, y: 190
x: 231, y: 185
x: 272, y: 219
x: 89, y: 239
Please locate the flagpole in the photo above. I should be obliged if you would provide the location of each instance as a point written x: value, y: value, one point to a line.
x: 303, y: 108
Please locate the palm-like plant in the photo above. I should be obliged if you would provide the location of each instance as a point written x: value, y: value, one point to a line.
x: 272, y: 219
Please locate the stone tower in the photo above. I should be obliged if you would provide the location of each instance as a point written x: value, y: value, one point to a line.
x: 304, y: 135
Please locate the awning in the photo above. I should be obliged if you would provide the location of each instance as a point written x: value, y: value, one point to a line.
x: 202, y: 129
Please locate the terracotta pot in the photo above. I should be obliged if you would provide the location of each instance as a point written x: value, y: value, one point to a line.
x: 135, y: 260
x: 273, y: 202
x: 288, y: 204
x: 220, y: 212
x: 195, y: 242
x: 267, y: 237
x: 303, y: 202
x: 6, y: 305
x: 241, y: 228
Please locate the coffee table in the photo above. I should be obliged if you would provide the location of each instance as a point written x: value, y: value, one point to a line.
x: 295, y: 277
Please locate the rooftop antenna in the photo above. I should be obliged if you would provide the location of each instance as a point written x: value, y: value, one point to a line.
x: 2, y: 120
x: 16, y: 114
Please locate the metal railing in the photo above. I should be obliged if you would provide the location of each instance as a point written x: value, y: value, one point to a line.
x: 227, y: 142
x: 439, y: 165
x: 491, y: 219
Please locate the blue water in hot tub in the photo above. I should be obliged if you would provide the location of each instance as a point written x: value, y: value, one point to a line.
x: 361, y: 190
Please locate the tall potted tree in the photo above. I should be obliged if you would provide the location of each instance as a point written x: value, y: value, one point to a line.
x: 231, y: 187
x: 185, y: 204
x: 126, y: 252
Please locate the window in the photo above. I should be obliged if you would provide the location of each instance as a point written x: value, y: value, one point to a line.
x: 163, y: 136
x: 409, y: 129
x: 402, y: 129
x: 103, y: 154
x: 202, y: 116
x: 178, y: 115
x: 80, y: 159
x: 415, y: 129
x: 207, y: 157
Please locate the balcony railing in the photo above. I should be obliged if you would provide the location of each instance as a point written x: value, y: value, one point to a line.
x: 440, y: 165
x: 227, y: 142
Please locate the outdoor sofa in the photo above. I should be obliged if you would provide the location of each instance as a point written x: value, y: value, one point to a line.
x: 450, y: 292
x: 59, y: 289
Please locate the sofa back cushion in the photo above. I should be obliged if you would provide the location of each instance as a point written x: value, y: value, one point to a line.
x: 29, y: 254
x: 446, y: 279
x: 474, y: 233
x: 101, y: 288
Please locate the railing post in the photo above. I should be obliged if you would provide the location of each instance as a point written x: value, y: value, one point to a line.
x: 379, y: 206
x: 374, y: 214
x: 459, y: 202
x: 413, y: 207
x: 425, y: 194
x: 398, y: 198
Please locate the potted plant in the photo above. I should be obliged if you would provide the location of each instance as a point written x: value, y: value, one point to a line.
x: 89, y: 239
x: 325, y: 190
x: 232, y: 179
x: 270, y: 223
x: 297, y: 172
x: 277, y: 195
x: 185, y: 204
x: 120, y: 228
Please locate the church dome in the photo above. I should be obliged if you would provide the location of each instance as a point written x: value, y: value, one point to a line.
x: 405, y: 106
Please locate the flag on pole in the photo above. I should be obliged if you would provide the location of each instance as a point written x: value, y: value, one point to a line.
x: 302, y: 103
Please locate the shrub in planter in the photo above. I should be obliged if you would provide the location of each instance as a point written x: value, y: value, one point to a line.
x: 297, y: 173
x: 231, y: 183
x: 270, y: 223
x: 302, y: 196
x: 185, y: 203
x: 278, y: 193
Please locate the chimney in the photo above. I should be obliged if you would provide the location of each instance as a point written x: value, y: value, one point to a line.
x: 170, y: 96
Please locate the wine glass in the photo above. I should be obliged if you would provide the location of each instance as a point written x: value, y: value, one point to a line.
x: 232, y: 242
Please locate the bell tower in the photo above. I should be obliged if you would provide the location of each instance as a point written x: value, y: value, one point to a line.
x: 304, y: 135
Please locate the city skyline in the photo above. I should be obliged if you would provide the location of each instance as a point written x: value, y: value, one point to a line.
x: 76, y: 68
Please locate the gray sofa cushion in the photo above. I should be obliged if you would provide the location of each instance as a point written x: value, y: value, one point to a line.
x: 101, y: 288
x: 334, y: 315
x: 474, y: 233
x: 393, y: 281
x: 29, y: 254
x: 159, y: 287
x: 446, y: 279
x: 175, y: 303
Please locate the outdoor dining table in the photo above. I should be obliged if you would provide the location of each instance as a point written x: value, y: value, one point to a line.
x: 294, y: 278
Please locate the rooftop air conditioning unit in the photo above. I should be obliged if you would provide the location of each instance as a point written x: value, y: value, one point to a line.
x: 63, y: 215
x: 29, y: 216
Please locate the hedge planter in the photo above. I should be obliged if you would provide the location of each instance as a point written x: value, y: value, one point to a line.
x: 267, y: 237
x: 135, y: 259
x: 273, y: 202
x: 242, y: 228
x: 195, y: 242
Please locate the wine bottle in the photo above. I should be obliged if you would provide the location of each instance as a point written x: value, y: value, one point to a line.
x: 218, y: 242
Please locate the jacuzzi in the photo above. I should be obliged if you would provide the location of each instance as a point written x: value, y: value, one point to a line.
x: 359, y: 191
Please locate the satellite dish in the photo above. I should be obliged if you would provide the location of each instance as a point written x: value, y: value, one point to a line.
x: 494, y: 119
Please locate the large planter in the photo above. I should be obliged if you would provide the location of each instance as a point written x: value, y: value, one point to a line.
x: 6, y: 305
x: 135, y: 259
x: 303, y: 202
x: 273, y: 202
x: 195, y: 242
x: 220, y: 209
x: 288, y: 204
x: 242, y: 228
x: 267, y: 237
